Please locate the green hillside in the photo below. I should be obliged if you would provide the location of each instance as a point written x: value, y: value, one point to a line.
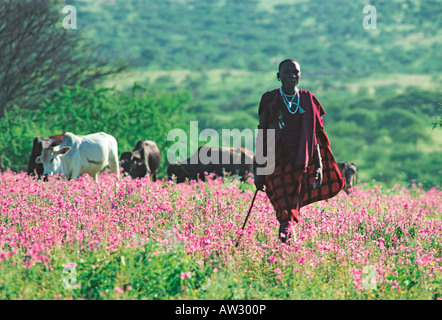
x: 326, y: 36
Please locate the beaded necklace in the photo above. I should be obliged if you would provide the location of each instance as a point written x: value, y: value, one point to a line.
x: 288, y: 100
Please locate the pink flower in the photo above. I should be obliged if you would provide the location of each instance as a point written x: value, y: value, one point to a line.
x: 118, y: 289
x: 185, y: 275
x: 272, y: 259
x: 279, y: 273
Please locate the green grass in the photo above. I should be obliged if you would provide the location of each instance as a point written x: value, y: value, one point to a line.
x: 148, y: 273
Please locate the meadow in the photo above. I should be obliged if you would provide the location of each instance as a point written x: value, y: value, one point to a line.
x: 137, y: 239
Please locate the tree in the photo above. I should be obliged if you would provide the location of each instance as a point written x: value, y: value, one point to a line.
x: 38, y: 55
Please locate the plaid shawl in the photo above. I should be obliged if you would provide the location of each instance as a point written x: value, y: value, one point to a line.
x: 290, y: 188
x: 332, y: 179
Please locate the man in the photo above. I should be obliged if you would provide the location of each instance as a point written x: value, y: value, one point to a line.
x: 305, y: 170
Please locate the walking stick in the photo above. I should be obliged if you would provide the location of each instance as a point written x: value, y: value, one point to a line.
x: 247, y: 217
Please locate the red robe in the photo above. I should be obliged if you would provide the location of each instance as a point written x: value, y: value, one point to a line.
x: 290, y: 186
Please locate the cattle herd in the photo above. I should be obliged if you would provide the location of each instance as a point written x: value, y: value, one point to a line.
x: 72, y: 155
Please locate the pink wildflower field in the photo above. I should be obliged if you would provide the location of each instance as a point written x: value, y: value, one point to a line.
x: 137, y: 239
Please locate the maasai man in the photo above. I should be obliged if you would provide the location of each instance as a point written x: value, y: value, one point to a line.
x: 304, y: 168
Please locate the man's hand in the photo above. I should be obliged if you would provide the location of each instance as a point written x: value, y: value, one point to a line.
x: 318, y: 171
x: 318, y: 177
x: 259, y: 182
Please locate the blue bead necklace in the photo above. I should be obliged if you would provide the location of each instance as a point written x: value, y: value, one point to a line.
x: 288, y: 101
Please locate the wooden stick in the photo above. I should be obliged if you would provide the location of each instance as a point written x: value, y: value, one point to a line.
x: 247, y: 217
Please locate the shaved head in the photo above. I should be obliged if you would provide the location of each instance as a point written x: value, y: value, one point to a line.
x: 288, y: 60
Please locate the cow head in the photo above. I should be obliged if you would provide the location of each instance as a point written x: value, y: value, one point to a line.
x: 125, y: 161
x: 38, y: 145
x: 138, y: 166
x: 51, y: 160
x: 350, y: 172
x: 133, y: 164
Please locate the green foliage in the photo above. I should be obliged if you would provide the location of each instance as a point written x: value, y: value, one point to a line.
x: 15, y: 140
x: 154, y: 273
x: 148, y: 271
x: 390, y: 138
x: 438, y: 119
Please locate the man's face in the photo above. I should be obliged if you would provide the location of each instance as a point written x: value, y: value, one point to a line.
x: 289, y: 74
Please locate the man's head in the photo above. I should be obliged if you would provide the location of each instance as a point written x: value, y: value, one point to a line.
x: 289, y: 73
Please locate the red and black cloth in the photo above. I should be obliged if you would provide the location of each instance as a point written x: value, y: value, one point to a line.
x: 290, y: 186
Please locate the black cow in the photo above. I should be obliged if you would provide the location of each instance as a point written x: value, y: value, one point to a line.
x: 239, y: 161
x: 38, y: 145
x: 350, y: 172
x: 144, y: 159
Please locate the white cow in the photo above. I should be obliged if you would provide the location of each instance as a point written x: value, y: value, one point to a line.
x: 77, y: 155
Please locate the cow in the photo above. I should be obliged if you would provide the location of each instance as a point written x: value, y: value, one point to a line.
x: 350, y: 172
x: 38, y: 145
x: 237, y: 161
x: 77, y: 155
x: 144, y: 159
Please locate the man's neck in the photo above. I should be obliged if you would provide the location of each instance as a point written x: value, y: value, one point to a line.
x: 290, y: 91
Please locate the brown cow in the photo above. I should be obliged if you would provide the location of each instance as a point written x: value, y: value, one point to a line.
x: 236, y: 161
x: 143, y: 159
x: 38, y: 145
x: 350, y: 172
